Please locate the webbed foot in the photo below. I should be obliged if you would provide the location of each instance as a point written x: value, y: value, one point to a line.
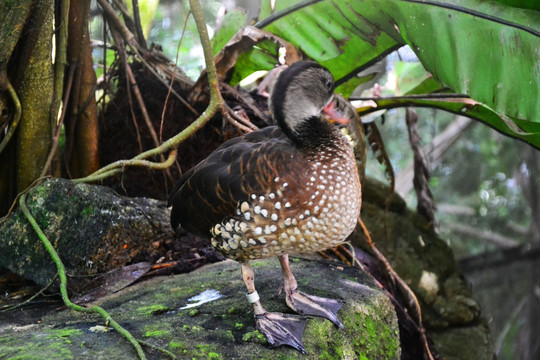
x: 282, y: 329
x: 314, y: 305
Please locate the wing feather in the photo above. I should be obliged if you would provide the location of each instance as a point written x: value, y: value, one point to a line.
x: 246, y: 165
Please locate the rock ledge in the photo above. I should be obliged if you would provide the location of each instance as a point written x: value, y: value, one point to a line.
x: 220, y: 329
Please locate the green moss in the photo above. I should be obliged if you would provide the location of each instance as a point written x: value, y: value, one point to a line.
x: 88, y: 210
x: 43, y: 221
x: 194, y: 328
x: 368, y: 334
x: 376, y: 337
x: 177, y: 345
x: 284, y: 357
x: 157, y: 333
x: 183, y: 292
x: 326, y: 355
x: 321, y: 335
x: 380, y: 338
x: 62, y: 333
x: 194, y: 312
x: 229, y: 335
x: 159, y: 297
x: 149, y: 310
x: 205, y: 347
x: 206, y: 351
x: 42, y: 190
x: 159, y: 330
x: 238, y: 326
x: 54, y: 348
x: 254, y: 336
x: 61, y: 350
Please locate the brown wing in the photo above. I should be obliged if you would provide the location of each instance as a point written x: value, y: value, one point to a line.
x: 246, y: 165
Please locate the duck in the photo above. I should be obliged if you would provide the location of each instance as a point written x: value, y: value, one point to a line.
x: 292, y: 188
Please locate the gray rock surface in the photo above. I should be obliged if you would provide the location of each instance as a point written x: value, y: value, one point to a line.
x: 156, y: 311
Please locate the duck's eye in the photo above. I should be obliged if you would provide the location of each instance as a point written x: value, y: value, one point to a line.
x: 329, y: 84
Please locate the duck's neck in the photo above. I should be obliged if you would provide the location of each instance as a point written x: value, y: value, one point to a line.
x: 312, y: 133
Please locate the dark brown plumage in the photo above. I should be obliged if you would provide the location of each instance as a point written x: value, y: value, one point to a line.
x: 286, y: 189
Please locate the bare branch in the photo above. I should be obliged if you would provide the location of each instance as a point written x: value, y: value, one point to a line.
x: 425, y: 202
x: 434, y: 152
x: 484, y: 235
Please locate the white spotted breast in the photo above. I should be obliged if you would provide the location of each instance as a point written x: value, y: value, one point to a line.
x: 309, y: 209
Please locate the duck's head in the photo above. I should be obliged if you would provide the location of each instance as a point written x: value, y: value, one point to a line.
x: 301, y: 94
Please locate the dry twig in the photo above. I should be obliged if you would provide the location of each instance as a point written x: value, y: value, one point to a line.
x: 413, y: 303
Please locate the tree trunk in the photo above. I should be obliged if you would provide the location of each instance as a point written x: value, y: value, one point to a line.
x: 81, y: 120
x: 12, y: 15
x: 34, y: 86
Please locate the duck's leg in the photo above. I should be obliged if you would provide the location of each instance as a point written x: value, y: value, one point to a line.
x: 307, y: 304
x: 279, y: 329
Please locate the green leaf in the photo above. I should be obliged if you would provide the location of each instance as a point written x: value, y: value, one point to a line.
x: 260, y: 58
x: 427, y: 86
x: 332, y: 34
x: 147, y: 13
x: 413, y: 79
x: 110, y: 57
x: 529, y: 132
x: 485, y: 49
x: 348, y: 87
x: 232, y: 21
x: 528, y: 126
x: 523, y: 4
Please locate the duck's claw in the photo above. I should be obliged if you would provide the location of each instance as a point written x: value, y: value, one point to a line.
x: 315, y: 305
x: 282, y: 329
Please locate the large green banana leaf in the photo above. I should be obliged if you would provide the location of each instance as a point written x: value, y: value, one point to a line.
x: 489, y: 50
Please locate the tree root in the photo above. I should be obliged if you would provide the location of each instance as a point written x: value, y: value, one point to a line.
x: 216, y: 104
x: 63, y: 283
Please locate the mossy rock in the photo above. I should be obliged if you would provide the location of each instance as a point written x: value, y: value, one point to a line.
x: 219, y: 329
x: 426, y: 263
x: 89, y: 226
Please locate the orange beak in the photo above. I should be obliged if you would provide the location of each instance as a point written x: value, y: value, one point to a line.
x: 334, y: 114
